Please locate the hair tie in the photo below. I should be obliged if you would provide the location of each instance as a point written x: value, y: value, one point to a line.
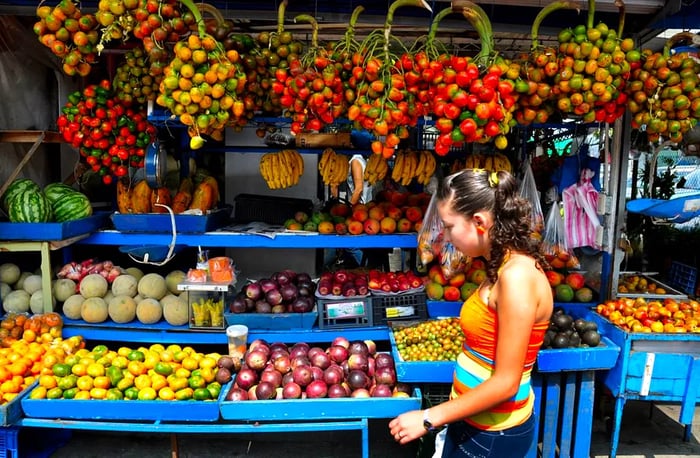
x: 493, y: 179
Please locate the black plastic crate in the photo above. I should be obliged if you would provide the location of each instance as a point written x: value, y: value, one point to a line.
x: 268, y: 209
x: 435, y: 393
x: 350, y: 312
x: 382, y: 305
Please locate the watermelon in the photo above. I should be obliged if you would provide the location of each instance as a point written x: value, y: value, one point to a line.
x: 55, y: 191
x: 17, y: 187
x: 72, y: 206
x: 30, y: 207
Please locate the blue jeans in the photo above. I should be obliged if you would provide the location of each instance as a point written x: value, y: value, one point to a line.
x: 465, y: 441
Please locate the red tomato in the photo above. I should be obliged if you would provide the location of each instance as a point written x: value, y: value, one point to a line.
x: 492, y: 129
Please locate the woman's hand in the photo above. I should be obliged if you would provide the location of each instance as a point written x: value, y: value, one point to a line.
x: 407, y: 427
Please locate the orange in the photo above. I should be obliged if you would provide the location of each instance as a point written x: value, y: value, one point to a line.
x: 142, y: 381
x: 48, y: 381
x: 85, y: 383
x: 166, y: 393
x: 79, y: 369
x: 10, y: 386
x: 95, y: 370
x: 98, y: 393
x: 147, y: 394
x: 83, y: 394
x: 208, y: 374
x: 158, y: 381
x: 137, y: 368
x: 177, y: 383
x: 190, y: 363
x: 102, y: 381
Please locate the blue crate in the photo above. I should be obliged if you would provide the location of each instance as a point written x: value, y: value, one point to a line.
x: 683, y: 277
x: 161, y: 223
x: 11, y: 412
x: 441, y: 309
x: 8, y: 442
x: 316, y: 409
x: 47, y: 232
x: 273, y: 321
x: 421, y: 371
x: 602, y: 357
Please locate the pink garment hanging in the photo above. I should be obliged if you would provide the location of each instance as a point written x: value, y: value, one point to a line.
x: 580, y: 217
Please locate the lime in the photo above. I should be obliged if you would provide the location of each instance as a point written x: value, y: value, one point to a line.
x: 114, y: 394
x: 70, y: 393
x: 201, y: 394
x: 54, y: 393
x: 214, y: 389
x: 196, y: 381
x: 60, y: 369
x: 184, y: 394
x: 131, y: 393
x: 163, y: 368
x: 136, y: 355
x: 67, y: 382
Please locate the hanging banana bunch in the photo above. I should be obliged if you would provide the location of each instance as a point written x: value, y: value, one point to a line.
x: 376, y: 169
x: 281, y: 169
x: 409, y: 164
x: 334, y: 168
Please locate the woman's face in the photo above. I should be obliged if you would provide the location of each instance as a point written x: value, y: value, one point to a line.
x: 461, y: 231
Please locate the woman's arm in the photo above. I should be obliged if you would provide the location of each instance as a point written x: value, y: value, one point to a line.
x: 358, y: 179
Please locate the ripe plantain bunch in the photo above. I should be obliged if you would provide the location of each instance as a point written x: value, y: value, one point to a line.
x: 376, y: 168
x: 493, y: 163
x: 411, y: 164
x: 281, y: 169
x: 334, y: 168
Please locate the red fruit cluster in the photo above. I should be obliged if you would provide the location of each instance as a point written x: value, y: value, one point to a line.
x: 160, y: 20
x: 110, y: 136
x: 342, y: 283
x: 393, y: 282
x: 470, y: 107
x: 312, y: 96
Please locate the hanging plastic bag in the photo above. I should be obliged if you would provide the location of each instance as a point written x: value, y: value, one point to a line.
x: 432, y: 245
x: 554, y: 245
x: 528, y: 190
x: 580, y: 216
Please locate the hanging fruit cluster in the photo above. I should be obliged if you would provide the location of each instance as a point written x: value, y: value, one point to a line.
x: 69, y: 34
x: 133, y: 82
x: 470, y: 105
x: 110, y: 136
x: 311, y: 90
x: 382, y: 104
x: 202, y: 84
x: 665, y: 93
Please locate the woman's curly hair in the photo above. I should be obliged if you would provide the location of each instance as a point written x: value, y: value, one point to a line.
x: 472, y: 190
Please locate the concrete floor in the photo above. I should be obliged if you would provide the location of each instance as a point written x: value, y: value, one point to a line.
x: 648, y: 431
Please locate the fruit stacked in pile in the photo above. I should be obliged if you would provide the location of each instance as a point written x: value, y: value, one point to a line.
x: 569, y: 287
x: 285, y: 291
x: 409, y: 164
x: 282, y: 169
x: 171, y: 373
x: 30, y: 346
x: 25, y: 202
x: 565, y: 332
x: 642, y: 315
x: 638, y: 284
x: 459, y: 286
x: 343, y: 283
x: 393, y: 282
x: 128, y: 296
x: 301, y: 371
x: 433, y: 340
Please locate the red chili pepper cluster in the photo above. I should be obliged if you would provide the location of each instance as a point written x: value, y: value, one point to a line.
x: 470, y: 107
x: 313, y: 96
x: 110, y: 136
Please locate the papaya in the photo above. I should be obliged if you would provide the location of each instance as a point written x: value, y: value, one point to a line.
x: 141, y: 198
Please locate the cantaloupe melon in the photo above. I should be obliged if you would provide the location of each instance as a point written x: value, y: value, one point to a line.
x: 19, y: 284
x: 152, y: 286
x: 36, y: 302
x: 108, y: 296
x: 72, y: 306
x: 17, y: 301
x: 175, y: 310
x: 138, y: 298
x: 122, y: 309
x: 125, y: 285
x: 94, y: 310
x: 173, y: 279
x: 149, y: 311
x: 63, y: 288
x: 5, y: 289
x: 135, y: 272
x: 93, y: 285
x: 32, y: 284
x: 9, y: 273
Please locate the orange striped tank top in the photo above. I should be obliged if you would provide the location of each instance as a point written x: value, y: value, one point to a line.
x: 475, y: 364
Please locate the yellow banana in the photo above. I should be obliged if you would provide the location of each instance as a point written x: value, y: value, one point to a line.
x: 421, y: 163
x: 488, y: 164
x: 398, y: 166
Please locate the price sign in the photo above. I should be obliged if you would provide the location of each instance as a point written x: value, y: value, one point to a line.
x: 351, y: 309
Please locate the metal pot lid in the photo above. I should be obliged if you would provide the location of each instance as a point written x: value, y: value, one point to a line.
x: 155, y: 164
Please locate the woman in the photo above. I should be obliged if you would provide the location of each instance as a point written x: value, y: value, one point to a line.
x: 489, y: 413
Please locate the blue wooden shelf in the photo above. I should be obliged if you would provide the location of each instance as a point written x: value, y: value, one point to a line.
x: 243, y: 240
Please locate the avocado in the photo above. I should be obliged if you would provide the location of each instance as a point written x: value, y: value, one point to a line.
x: 574, y: 340
x: 562, y: 321
x: 578, y: 324
x: 591, y: 338
x: 589, y: 326
x: 561, y: 340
